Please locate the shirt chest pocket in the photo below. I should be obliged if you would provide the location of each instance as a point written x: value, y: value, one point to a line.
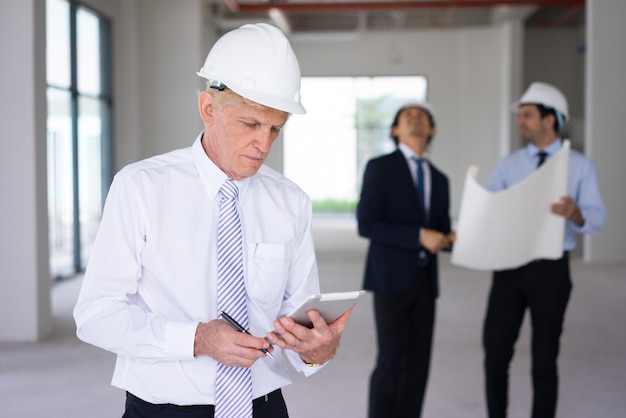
x: 267, y: 272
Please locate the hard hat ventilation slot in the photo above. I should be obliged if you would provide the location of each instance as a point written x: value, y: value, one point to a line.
x: 217, y: 85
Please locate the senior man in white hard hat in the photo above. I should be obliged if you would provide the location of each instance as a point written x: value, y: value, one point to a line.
x: 542, y: 286
x: 201, y: 243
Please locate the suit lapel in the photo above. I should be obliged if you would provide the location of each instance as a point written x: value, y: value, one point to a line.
x: 406, y: 181
x: 436, y: 190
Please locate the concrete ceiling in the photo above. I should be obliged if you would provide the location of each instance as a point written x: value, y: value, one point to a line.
x: 341, y: 16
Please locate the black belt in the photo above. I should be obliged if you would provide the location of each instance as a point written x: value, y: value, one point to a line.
x: 565, y: 256
x: 204, y: 409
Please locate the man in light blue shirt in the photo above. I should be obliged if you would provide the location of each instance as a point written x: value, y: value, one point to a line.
x: 542, y: 286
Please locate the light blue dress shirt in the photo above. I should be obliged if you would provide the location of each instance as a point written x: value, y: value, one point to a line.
x: 582, y: 185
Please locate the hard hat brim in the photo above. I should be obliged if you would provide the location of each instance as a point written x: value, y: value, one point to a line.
x: 420, y: 105
x: 517, y: 104
x: 270, y: 100
x: 265, y: 99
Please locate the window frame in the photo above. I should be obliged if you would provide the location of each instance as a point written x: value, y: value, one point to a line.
x: 104, y: 98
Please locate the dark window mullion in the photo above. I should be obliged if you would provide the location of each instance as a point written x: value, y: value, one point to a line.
x: 106, y: 94
x: 80, y: 182
x: 76, y: 241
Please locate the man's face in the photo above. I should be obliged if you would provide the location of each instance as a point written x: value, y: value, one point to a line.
x: 532, y: 126
x: 413, y: 124
x: 239, y: 137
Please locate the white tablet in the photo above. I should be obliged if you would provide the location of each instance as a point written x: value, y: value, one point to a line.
x: 330, y: 305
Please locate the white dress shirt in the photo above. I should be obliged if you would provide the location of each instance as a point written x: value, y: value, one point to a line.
x: 409, y: 154
x: 152, y: 274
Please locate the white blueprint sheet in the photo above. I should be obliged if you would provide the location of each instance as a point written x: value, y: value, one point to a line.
x: 509, y: 228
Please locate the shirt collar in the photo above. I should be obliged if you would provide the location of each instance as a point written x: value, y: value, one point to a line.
x: 555, y: 146
x: 409, y: 153
x: 212, y: 176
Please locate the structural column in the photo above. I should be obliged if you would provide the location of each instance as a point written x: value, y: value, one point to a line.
x: 605, y: 127
x: 24, y: 268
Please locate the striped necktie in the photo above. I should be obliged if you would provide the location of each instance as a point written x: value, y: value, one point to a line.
x: 233, y: 386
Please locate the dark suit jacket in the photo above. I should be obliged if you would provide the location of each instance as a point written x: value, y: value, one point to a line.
x: 388, y: 214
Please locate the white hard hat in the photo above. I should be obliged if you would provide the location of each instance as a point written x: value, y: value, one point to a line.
x: 256, y: 61
x: 544, y: 94
x: 424, y: 105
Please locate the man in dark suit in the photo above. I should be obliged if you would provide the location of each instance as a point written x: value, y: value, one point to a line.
x: 403, y: 211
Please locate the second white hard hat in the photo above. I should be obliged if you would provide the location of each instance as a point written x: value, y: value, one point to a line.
x: 424, y: 105
x: 256, y: 61
x: 544, y: 94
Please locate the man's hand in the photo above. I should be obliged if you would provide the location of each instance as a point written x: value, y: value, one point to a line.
x: 435, y: 241
x: 316, y: 345
x: 232, y: 348
x: 568, y: 209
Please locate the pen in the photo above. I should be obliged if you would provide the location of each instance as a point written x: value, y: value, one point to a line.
x: 239, y: 328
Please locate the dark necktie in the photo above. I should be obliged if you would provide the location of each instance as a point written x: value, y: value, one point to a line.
x: 422, y: 198
x: 420, y: 188
x: 542, y: 158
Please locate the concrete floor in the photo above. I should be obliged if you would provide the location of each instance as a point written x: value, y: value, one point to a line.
x: 65, y: 378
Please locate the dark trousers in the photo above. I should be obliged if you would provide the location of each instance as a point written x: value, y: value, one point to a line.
x: 404, y: 326
x: 270, y: 406
x: 544, y: 287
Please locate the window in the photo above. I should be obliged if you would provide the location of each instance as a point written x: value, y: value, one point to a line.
x: 347, y: 123
x: 78, y: 130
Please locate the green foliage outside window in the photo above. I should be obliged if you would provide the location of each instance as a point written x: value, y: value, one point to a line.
x: 333, y: 206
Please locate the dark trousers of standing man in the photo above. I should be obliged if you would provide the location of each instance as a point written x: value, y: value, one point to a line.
x: 544, y: 287
x: 404, y: 326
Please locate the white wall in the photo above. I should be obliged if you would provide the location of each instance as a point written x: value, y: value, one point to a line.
x: 465, y: 71
x: 24, y: 268
x: 605, y: 127
x: 170, y: 34
x: 158, y: 47
x: 557, y: 56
